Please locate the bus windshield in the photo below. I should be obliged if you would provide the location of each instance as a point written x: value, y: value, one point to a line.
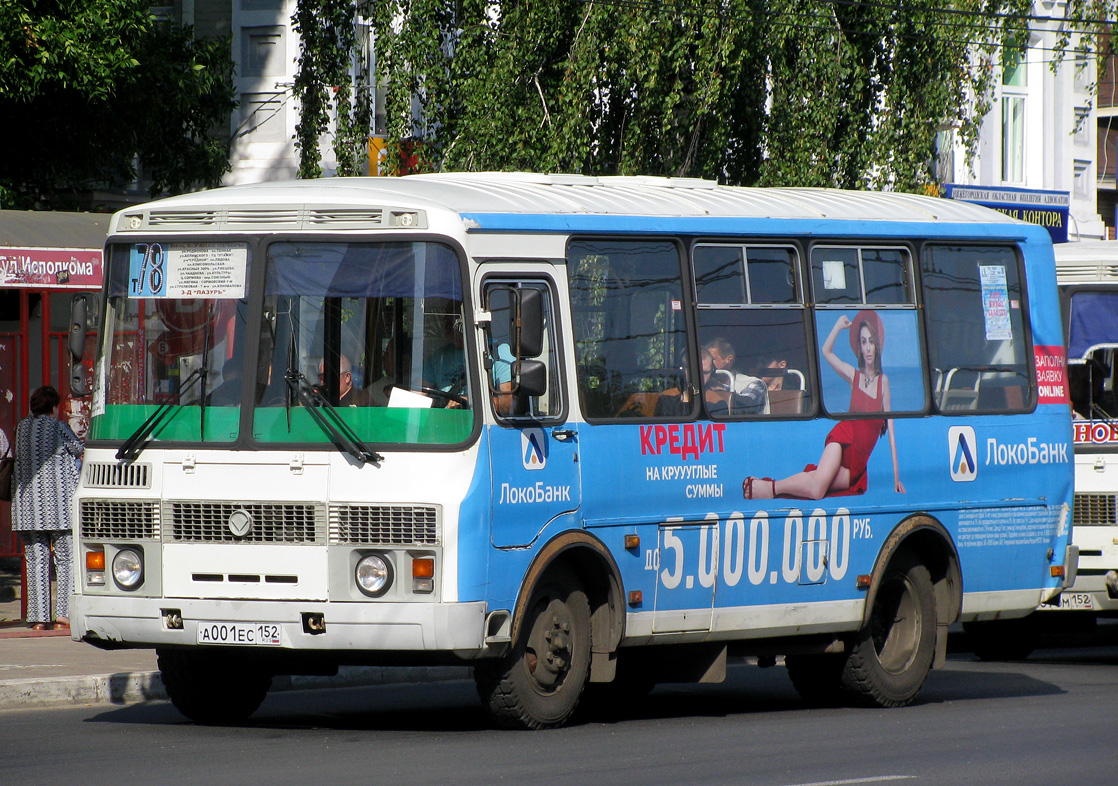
x: 165, y: 346
x: 1092, y: 352
x: 376, y: 330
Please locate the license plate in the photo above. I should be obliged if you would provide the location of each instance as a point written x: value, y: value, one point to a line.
x: 1071, y: 601
x: 239, y: 633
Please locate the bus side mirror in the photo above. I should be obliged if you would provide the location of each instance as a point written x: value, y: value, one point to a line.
x: 527, y: 323
x: 76, y: 344
x: 532, y: 380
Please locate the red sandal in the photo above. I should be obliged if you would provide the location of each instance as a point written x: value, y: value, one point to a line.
x: 747, y: 488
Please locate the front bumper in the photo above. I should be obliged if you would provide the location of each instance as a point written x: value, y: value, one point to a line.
x: 359, y: 627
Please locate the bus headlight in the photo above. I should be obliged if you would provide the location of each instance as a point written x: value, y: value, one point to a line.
x: 128, y: 569
x: 373, y: 575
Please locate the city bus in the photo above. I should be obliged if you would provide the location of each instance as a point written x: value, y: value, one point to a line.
x: 1087, y: 273
x: 585, y: 435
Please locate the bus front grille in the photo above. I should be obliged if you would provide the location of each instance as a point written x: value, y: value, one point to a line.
x: 253, y: 522
x: 102, y: 475
x: 389, y: 525
x: 110, y: 519
x: 1094, y: 510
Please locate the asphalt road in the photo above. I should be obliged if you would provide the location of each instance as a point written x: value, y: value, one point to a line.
x: 1043, y: 721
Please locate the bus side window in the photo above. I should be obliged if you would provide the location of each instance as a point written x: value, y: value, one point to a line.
x: 499, y: 359
x: 866, y: 309
x: 973, y: 311
x: 627, y: 306
x: 751, y: 317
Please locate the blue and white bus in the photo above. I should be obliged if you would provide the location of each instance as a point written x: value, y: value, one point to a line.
x: 579, y: 433
x: 1087, y: 272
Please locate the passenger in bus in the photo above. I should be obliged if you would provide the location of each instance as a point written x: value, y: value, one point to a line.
x: 228, y: 393
x: 753, y: 396
x: 348, y: 395
x: 673, y: 401
x: 786, y: 393
x: 501, y: 374
x: 842, y: 467
x: 773, y: 371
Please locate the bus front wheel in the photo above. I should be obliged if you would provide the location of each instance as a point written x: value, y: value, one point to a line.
x: 538, y: 684
x: 892, y: 654
x: 212, y: 688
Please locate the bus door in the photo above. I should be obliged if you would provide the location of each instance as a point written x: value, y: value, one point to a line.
x: 685, y: 596
x: 533, y: 447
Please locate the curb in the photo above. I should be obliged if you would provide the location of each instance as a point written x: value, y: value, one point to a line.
x: 139, y: 687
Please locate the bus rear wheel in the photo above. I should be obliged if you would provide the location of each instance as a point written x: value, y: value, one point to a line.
x: 538, y: 684
x: 213, y: 688
x: 892, y: 654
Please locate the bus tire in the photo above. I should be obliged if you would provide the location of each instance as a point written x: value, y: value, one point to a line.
x: 538, y: 684
x: 891, y: 655
x: 817, y: 677
x: 212, y: 688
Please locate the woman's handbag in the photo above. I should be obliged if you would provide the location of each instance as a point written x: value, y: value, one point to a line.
x: 7, y: 464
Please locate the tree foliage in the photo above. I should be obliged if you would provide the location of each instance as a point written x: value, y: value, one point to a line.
x: 847, y: 93
x: 90, y: 88
x: 325, y: 87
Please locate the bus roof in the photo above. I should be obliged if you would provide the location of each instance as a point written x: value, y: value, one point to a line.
x: 1087, y: 261
x: 306, y: 204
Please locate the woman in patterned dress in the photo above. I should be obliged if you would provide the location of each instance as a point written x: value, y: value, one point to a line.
x: 46, y: 474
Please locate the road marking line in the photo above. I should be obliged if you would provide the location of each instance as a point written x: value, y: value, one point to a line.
x: 846, y: 782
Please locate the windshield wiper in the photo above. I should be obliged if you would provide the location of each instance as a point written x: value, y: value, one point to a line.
x: 138, y: 441
x: 341, y: 434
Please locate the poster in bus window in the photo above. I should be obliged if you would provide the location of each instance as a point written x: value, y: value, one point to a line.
x: 995, y: 302
x: 864, y: 381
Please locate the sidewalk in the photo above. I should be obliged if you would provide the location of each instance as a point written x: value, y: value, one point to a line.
x: 48, y: 668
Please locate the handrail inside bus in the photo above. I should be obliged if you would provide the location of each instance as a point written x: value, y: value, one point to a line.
x: 1094, y: 348
x: 966, y: 397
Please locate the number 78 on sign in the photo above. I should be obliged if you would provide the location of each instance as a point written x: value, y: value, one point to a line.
x: 146, y: 270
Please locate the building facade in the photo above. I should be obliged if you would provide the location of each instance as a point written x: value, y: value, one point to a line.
x: 1040, y: 139
x: 1107, y: 146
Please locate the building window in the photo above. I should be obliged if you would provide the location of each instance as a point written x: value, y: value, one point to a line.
x: 1014, y: 88
x: 262, y: 51
x: 1083, y: 73
x: 1082, y: 178
x: 1082, y: 125
x: 263, y: 117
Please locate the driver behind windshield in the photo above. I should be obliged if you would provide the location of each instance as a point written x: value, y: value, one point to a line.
x: 348, y: 395
x: 445, y: 368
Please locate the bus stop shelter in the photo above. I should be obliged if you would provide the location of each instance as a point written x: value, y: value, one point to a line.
x: 45, y: 258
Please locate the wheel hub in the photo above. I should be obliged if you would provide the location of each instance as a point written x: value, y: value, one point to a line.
x: 549, y: 653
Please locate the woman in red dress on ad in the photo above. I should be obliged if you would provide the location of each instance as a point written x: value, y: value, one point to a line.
x: 842, y: 467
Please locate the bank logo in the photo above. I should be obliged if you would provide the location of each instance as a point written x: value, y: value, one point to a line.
x: 963, y: 447
x: 533, y: 448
